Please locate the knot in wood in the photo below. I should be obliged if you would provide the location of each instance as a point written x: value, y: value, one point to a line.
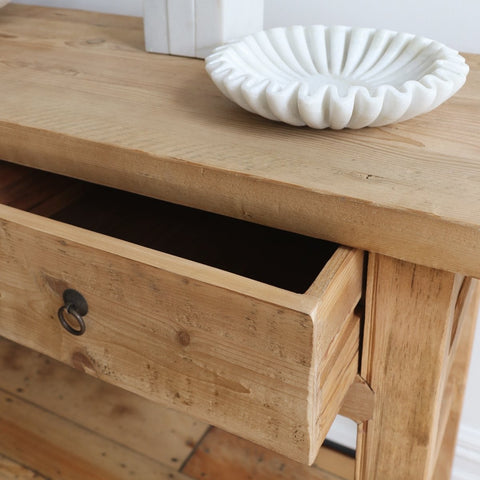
x: 183, y: 338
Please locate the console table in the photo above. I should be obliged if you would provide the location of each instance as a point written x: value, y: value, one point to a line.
x: 365, y: 306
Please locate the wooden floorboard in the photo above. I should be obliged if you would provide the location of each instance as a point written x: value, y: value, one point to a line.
x: 271, y: 469
x: 65, y: 425
x: 10, y: 470
x: 62, y: 450
x: 335, y: 462
x: 142, y: 426
x: 222, y: 455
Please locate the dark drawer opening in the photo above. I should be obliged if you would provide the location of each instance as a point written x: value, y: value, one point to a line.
x: 279, y: 258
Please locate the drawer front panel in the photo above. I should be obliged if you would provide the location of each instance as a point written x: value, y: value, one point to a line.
x: 231, y: 351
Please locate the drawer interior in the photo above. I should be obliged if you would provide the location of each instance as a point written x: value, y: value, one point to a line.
x: 279, y: 258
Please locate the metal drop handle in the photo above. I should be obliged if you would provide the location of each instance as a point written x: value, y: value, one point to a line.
x: 76, y: 306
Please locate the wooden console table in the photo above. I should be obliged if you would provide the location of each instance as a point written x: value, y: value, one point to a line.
x: 381, y: 333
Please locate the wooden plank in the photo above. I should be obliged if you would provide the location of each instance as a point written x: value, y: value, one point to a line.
x: 461, y: 313
x: 117, y: 416
x: 336, y: 342
x: 36, y: 191
x: 158, y: 433
x: 80, y: 96
x: 447, y: 438
x: 408, y: 322
x: 221, y: 455
x: 335, y: 462
x: 62, y: 450
x: 231, y: 351
x: 359, y: 402
x: 335, y: 378
x: 142, y: 426
x: 13, y: 471
x: 461, y: 337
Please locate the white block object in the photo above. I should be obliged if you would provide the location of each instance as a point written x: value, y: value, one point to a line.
x: 196, y: 27
x: 181, y: 27
x: 209, y: 26
x: 155, y: 25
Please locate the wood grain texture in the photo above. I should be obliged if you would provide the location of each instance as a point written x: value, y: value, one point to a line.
x: 455, y: 388
x: 160, y: 434
x: 462, y: 313
x: 332, y: 465
x: 336, y: 370
x: 62, y: 450
x: 236, y: 353
x: 224, y: 456
x: 336, y: 342
x: 359, y: 401
x: 137, y: 426
x: 36, y: 191
x: 13, y: 471
x: 408, y: 326
x: 336, y: 463
x: 81, y: 97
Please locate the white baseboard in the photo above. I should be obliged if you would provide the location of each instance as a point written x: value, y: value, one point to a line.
x: 467, y: 455
x: 343, y: 432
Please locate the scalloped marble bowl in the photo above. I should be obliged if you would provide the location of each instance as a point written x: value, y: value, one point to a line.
x: 337, y: 77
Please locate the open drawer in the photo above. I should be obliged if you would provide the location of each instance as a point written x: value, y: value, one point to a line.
x: 253, y: 330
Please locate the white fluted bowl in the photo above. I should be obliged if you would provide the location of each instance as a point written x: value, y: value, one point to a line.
x: 337, y: 77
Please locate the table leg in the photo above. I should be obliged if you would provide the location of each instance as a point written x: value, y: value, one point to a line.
x: 411, y: 317
x: 460, y: 360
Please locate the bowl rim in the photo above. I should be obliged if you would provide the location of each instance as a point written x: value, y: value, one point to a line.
x: 450, y: 70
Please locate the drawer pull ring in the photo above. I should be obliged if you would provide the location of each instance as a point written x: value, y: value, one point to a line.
x: 76, y: 306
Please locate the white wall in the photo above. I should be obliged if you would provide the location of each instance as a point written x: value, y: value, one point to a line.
x: 471, y: 411
x: 452, y: 22
x: 455, y: 23
x: 467, y: 460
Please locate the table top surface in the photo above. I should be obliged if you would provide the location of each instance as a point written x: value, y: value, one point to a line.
x: 81, y: 97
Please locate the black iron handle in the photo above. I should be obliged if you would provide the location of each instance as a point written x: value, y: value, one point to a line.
x: 76, y: 307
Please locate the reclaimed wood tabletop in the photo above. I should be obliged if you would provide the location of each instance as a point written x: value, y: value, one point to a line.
x: 81, y: 97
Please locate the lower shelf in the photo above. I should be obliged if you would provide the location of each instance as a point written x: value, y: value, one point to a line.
x: 60, y: 424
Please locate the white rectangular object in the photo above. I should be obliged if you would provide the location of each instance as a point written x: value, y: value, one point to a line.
x: 155, y: 26
x: 181, y: 27
x: 195, y: 27
x: 209, y: 26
